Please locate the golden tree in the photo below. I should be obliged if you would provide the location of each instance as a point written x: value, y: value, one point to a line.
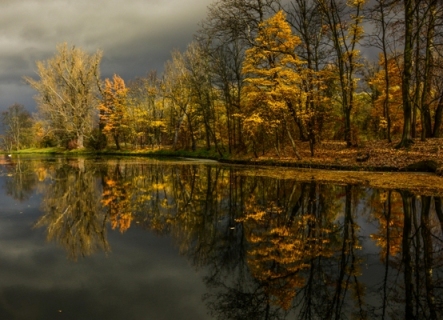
x: 272, y: 88
x: 388, y: 104
x: 113, y: 109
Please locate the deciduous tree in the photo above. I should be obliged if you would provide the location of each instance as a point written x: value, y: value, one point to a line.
x: 388, y: 105
x: 272, y: 88
x: 113, y: 109
x: 17, y: 123
x: 343, y: 22
x: 67, y: 91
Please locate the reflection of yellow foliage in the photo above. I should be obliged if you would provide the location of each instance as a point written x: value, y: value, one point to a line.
x: 116, y: 198
x: 390, y: 227
x: 122, y: 221
x: 72, y: 215
x: 158, y: 186
x: 281, y: 249
x: 41, y: 174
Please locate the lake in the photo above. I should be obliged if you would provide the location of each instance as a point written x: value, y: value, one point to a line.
x: 135, y: 238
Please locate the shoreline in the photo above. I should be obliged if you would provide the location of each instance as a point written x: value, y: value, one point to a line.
x: 372, y: 156
x: 420, y: 180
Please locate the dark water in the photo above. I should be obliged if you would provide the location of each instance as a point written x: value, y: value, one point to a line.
x: 148, y: 239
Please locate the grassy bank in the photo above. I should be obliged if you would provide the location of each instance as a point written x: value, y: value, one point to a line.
x: 422, y: 156
x: 201, y: 153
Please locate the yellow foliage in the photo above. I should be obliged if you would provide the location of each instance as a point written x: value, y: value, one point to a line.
x: 393, y: 96
x: 272, y: 75
x: 42, y: 173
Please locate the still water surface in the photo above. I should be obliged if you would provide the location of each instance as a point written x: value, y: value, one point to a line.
x: 126, y: 238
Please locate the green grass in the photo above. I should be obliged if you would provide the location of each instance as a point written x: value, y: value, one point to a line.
x: 52, y: 150
x: 200, y: 153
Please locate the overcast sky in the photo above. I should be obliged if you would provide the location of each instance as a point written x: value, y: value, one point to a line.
x: 136, y: 36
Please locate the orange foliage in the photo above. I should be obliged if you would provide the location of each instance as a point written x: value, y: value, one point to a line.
x: 113, y: 109
x: 116, y: 199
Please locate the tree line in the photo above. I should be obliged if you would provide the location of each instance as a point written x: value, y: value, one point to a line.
x: 261, y: 75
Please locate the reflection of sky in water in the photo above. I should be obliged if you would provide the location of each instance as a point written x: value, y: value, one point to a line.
x: 143, y: 277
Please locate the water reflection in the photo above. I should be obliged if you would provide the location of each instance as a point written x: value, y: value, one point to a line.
x: 271, y: 248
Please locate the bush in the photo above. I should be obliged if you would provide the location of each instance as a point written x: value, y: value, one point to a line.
x: 48, y: 141
x: 97, y: 140
x: 72, y: 144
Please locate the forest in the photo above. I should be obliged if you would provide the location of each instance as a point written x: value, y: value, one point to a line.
x: 262, y: 77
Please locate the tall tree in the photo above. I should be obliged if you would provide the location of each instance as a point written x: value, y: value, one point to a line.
x: 113, y: 109
x: 202, y: 91
x: 409, y: 12
x: 177, y: 91
x: 384, y: 16
x: 229, y: 29
x: 68, y: 91
x: 17, y: 123
x: 388, y: 102
x: 307, y: 23
x: 343, y: 21
x: 238, y: 19
x: 147, y: 111
x: 272, y: 88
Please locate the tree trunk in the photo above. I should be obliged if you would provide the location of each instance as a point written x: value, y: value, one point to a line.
x: 438, y: 118
x: 80, y: 139
x: 293, y: 144
x: 406, y: 139
x: 348, y: 134
x: 117, y: 144
x: 406, y: 254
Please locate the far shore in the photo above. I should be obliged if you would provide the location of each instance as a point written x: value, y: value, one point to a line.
x: 377, y: 156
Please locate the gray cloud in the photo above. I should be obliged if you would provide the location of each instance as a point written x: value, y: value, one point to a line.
x: 136, y: 36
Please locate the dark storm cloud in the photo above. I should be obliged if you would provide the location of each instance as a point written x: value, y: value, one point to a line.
x: 136, y: 36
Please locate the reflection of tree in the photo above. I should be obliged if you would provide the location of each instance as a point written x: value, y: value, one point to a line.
x: 388, y: 212
x: 116, y: 198
x: 418, y: 293
x: 282, y: 242
x: 302, y: 254
x: 270, y: 248
x: 72, y: 211
x: 21, y: 179
x: 428, y: 255
x: 235, y: 292
x: 349, y: 265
